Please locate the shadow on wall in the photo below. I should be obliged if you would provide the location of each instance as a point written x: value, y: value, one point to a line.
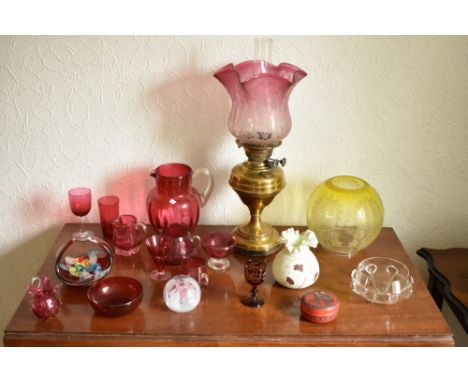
x: 291, y: 201
x: 132, y: 188
x: 18, y: 266
x: 187, y: 120
x: 42, y: 202
x: 185, y: 124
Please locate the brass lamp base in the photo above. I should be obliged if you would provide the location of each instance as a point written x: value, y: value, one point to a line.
x: 257, y: 181
x: 253, y: 243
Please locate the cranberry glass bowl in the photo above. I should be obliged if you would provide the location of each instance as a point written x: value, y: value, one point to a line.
x: 218, y: 245
x: 115, y: 296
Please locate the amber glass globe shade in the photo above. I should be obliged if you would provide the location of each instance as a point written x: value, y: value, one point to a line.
x: 345, y: 213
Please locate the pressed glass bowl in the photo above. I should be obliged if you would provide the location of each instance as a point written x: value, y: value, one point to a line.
x: 115, y: 296
x: 382, y: 280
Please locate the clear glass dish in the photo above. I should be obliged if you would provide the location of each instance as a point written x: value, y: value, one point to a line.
x: 82, y: 262
x: 382, y: 280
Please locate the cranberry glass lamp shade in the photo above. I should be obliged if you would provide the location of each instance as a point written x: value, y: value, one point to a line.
x: 259, y: 93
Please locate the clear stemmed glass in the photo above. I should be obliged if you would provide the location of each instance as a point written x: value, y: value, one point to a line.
x: 158, y: 247
x: 80, y: 204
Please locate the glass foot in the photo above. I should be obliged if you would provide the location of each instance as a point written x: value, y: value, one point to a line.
x: 83, y: 235
x: 127, y: 252
x: 160, y: 275
x: 253, y: 301
x: 218, y: 264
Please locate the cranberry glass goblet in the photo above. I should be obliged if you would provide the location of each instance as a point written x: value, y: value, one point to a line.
x: 79, y: 199
x: 254, y: 273
x: 219, y: 245
x: 158, y: 247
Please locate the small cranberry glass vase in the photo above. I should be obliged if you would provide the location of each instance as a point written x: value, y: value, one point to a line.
x: 44, y: 303
x: 173, y: 201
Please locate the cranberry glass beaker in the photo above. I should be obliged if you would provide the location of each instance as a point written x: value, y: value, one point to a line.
x: 174, y: 202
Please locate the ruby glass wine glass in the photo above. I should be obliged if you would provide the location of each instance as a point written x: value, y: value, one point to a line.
x: 254, y: 273
x: 219, y: 245
x: 80, y: 204
x: 159, y: 247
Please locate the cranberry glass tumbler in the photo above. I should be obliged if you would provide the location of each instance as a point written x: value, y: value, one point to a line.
x: 108, y: 211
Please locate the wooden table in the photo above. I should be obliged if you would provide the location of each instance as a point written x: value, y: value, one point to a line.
x: 222, y: 320
x: 448, y: 279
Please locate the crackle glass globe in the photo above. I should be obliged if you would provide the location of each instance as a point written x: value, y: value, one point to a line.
x: 346, y: 214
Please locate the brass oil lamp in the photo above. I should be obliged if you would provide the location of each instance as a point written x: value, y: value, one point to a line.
x: 259, y: 120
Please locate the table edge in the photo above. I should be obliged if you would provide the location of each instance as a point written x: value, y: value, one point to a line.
x: 425, y: 253
x: 130, y: 339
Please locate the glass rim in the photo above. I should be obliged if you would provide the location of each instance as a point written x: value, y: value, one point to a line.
x: 79, y: 191
x: 108, y: 199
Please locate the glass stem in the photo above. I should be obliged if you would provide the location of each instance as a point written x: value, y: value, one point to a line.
x: 254, y: 292
x: 159, y: 266
x: 82, y: 225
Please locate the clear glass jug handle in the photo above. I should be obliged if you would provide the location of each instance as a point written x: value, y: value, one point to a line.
x: 205, y: 195
x: 196, y: 241
x: 141, y: 232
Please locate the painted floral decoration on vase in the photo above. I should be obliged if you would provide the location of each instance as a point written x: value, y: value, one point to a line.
x: 295, y: 266
x: 259, y: 93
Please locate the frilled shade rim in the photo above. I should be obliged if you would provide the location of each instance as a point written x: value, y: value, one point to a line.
x: 252, y: 69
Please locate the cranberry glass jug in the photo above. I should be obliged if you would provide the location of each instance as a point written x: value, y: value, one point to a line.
x: 174, y: 202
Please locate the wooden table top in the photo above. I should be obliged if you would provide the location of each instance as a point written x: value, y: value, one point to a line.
x: 222, y: 320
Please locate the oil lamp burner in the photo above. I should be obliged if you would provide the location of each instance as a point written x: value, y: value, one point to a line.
x: 259, y: 120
